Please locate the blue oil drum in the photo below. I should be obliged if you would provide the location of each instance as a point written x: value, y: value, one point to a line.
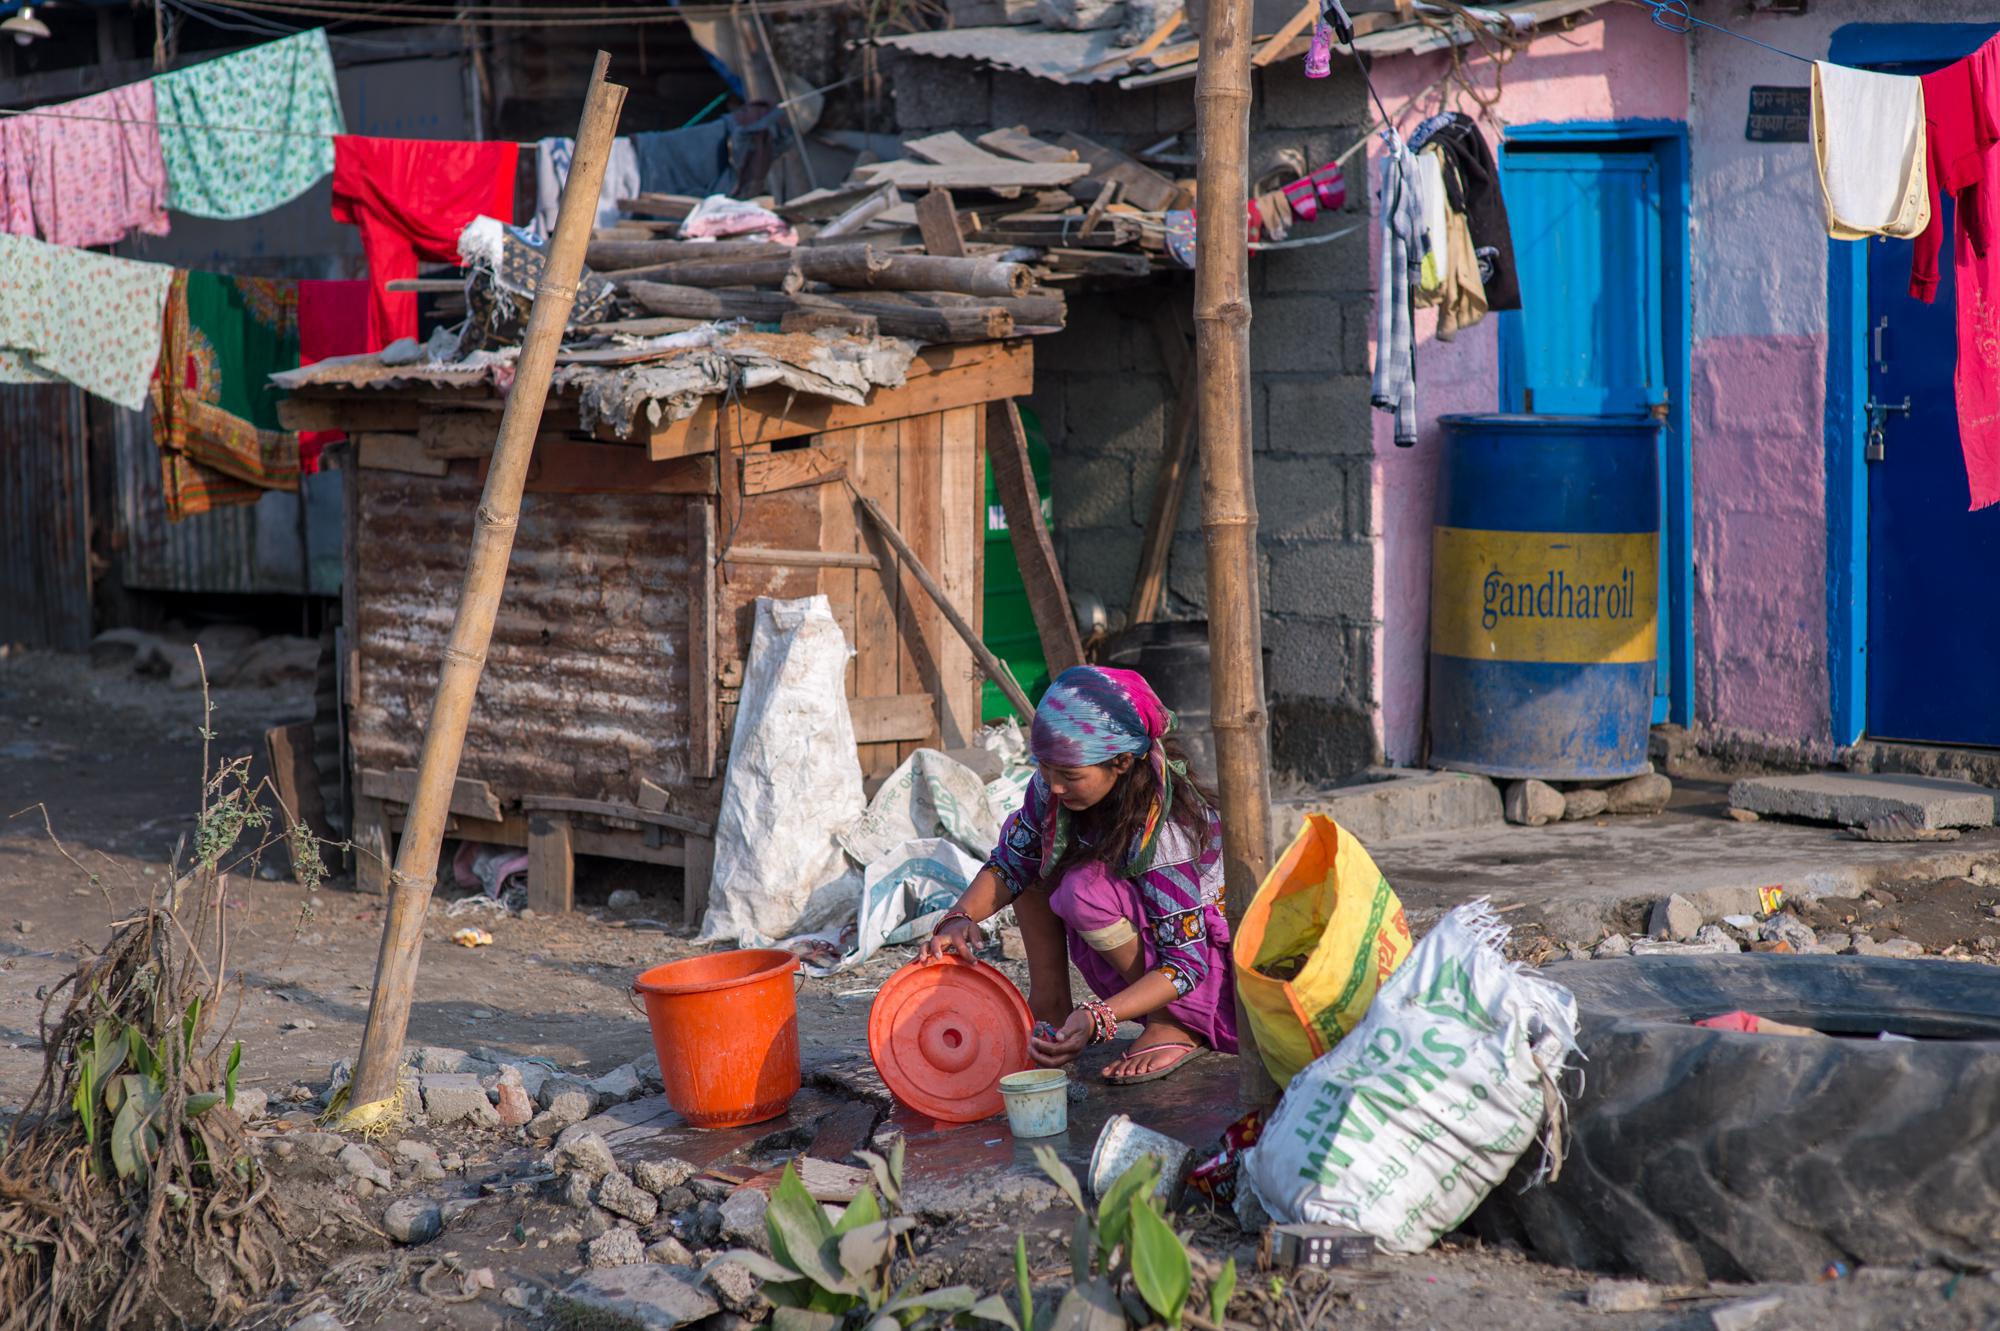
x: 1544, y: 590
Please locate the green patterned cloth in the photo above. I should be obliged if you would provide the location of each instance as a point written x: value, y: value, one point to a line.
x: 234, y: 168
x: 76, y: 316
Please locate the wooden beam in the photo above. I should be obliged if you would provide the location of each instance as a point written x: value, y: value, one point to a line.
x: 457, y: 434
x: 551, y: 864
x: 901, y: 716
x: 469, y: 798
x: 748, y: 554
x: 373, y: 852
x: 939, y: 378
x: 704, y: 712
x: 566, y: 467
x: 346, y: 411
x: 1022, y: 146
x: 765, y: 472
x: 998, y: 176
x: 937, y: 218
x: 996, y: 670
x: 631, y: 813
x: 1021, y: 500
x: 1282, y: 38
x: 372, y: 1095
x: 1170, y: 474
x: 697, y: 874
x: 296, y: 776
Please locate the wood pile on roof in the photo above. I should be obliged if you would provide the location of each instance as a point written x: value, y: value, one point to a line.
x: 1006, y: 223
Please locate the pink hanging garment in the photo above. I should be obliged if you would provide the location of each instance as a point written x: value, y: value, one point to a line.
x: 87, y: 172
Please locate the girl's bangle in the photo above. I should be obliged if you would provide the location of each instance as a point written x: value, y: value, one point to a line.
x: 951, y: 915
x: 1103, y: 1021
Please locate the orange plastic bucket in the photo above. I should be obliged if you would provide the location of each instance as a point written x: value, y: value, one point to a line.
x: 726, y: 1029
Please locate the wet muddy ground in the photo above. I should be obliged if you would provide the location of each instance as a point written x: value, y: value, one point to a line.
x: 115, y: 762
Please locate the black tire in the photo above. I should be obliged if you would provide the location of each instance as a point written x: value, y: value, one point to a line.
x: 1700, y: 1154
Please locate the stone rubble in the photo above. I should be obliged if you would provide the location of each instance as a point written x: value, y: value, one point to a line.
x: 621, y: 1196
x: 586, y: 1155
x: 413, y: 1220
x: 656, y: 1176
x: 360, y: 1163
x: 1531, y: 803
x: 1674, y: 917
x: 1641, y: 795
x: 616, y: 1247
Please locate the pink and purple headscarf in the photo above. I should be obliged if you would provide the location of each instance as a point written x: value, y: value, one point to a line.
x: 1091, y: 715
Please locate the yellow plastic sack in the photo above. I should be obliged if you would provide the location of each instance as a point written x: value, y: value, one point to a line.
x: 1326, y: 918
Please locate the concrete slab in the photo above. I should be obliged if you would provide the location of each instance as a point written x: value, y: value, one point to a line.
x: 1854, y: 799
x: 643, y: 1298
x: 1583, y: 879
x: 1388, y: 802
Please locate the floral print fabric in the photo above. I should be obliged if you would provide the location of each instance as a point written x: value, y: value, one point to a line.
x: 234, y: 166
x: 46, y: 292
x: 85, y: 172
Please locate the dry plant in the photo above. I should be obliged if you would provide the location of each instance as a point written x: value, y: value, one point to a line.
x: 127, y: 1191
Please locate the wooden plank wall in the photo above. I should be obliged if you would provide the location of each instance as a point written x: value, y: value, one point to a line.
x: 928, y: 474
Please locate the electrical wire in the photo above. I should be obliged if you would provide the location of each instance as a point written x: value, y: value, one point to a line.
x: 519, y: 17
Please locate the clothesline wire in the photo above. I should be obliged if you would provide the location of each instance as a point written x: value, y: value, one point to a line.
x: 14, y: 112
x: 1673, y: 16
x: 518, y: 17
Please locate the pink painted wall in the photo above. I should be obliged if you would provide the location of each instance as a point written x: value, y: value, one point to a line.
x: 1617, y: 66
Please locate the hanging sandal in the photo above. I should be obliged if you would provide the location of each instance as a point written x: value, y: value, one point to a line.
x: 1193, y: 1051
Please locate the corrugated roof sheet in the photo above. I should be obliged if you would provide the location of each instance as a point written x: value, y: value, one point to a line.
x: 1044, y: 53
x: 1079, y: 57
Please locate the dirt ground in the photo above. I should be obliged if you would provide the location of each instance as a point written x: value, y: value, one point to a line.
x: 114, y: 761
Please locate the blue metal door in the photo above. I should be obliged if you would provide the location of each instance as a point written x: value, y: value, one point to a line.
x: 1933, y: 631
x: 1590, y: 338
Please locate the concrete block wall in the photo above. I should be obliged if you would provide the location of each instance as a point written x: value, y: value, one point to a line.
x: 1106, y: 402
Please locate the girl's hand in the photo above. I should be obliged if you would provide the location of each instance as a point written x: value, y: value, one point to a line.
x: 1070, y: 1041
x: 957, y: 936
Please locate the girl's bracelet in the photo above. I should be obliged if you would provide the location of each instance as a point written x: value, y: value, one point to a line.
x: 951, y: 915
x: 1103, y: 1021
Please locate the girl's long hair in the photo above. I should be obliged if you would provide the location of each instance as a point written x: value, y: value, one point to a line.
x: 1109, y: 830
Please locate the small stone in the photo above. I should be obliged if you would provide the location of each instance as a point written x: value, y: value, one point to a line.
x: 616, y: 1247
x: 457, y: 1097
x: 743, y: 1218
x: 24, y: 926
x: 516, y: 1296
x: 1745, y: 1313
x: 413, y: 1220
x: 556, y: 1087
x: 656, y: 1298
x: 656, y: 1176
x: 251, y: 1103
x: 355, y: 1159
x: 574, y: 1190
x: 597, y: 1222
x: 621, y: 1196
x: 670, y: 1252
x: 458, y: 1206
x: 437, y: 1058
x: 515, y: 1106
x: 736, y: 1288
x: 1612, y: 945
x: 1903, y: 949
x: 1715, y: 936
x: 1674, y: 917
x: 1585, y: 803
x: 318, y: 1143
x: 616, y: 1086
x: 1011, y: 945
x: 1785, y: 927
x: 675, y: 1200
x: 419, y: 1159
x: 586, y: 1155
x: 321, y: 1321
x: 364, y: 1188
x: 648, y: 1069
x: 623, y: 899
x: 1621, y: 1296
x: 1745, y: 815
x: 1532, y: 803
x: 1641, y: 795
x: 299, y: 1024
x: 1742, y: 923
x: 452, y: 1162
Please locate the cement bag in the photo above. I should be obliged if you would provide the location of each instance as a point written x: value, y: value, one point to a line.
x: 930, y: 795
x: 1321, y: 935
x: 1423, y: 1109
x: 793, y: 777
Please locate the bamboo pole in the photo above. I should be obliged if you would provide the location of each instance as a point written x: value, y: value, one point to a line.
x: 410, y: 883
x: 1228, y: 498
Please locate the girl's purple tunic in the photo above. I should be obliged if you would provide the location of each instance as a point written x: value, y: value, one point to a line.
x: 1173, y: 908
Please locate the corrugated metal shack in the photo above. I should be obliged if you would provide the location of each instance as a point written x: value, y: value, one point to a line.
x: 602, y: 721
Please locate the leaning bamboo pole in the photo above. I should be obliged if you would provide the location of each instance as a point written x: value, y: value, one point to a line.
x: 372, y: 1095
x: 1228, y: 499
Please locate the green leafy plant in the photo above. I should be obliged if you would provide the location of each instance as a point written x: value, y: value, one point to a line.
x: 825, y: 1273
x: 1126, y: 1244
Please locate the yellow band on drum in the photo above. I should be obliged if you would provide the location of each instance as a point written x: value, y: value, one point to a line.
x: 1586, y: 598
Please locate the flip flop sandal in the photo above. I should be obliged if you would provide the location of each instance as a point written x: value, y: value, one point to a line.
x: 1194, y: 1051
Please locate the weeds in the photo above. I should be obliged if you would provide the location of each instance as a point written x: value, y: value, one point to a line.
x: 127, y: 1192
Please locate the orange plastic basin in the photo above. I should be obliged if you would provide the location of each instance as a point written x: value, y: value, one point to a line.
x: 726, y: 1029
